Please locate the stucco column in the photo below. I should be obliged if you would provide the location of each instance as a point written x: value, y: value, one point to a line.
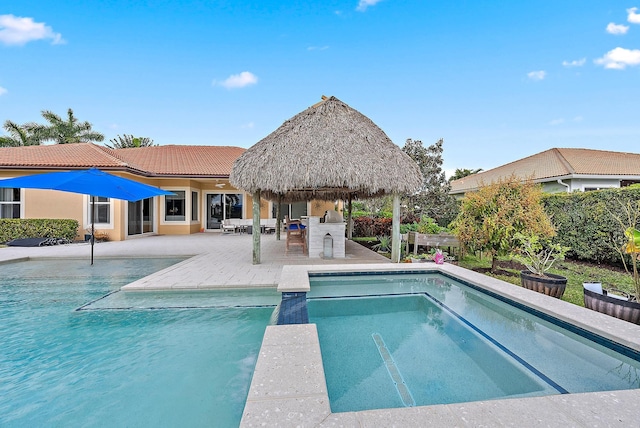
x: 395, y: 230
x: 256, y: 227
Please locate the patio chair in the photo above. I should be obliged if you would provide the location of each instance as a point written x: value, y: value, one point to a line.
x: 228, y: 227
x: 296, y: 235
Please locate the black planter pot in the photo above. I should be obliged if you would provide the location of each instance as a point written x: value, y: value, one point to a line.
x: 550, y: 284
x: 622, y: 309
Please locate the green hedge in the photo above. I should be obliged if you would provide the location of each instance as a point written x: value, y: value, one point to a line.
x: 37, y: 228
x: 585, y: 222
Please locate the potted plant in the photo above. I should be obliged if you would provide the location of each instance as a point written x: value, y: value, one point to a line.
x: 538, y: 256
x: 383, y: 245
x: 614, y: 302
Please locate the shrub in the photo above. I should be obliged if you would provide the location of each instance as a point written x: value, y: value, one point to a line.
x: 424, y: 225
x: 37, y: 228
x: 490, y: 217
x: 371, y: 226
x: 584, y: 222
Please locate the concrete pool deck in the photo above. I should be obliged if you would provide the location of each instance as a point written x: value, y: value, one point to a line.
x: 288, y: 386
x: 214, y: 260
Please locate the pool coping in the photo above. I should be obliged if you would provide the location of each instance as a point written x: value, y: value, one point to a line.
x: 289, y: 388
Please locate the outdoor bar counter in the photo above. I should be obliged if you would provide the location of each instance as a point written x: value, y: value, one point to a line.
x: 316, y: 233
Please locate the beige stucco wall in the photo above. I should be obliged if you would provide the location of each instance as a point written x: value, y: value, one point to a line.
x: 318, y: 208
x: 55, y: 204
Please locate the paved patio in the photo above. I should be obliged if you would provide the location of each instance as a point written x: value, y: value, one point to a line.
x: 215, y: 260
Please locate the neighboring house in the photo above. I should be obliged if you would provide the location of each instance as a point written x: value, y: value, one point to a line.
x: 198, y: 175
x: 562, y: 170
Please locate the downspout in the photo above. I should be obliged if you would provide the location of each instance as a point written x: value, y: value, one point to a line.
x: 564, y: 184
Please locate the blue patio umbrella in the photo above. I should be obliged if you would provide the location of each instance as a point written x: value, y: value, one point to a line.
x: 91, y: 182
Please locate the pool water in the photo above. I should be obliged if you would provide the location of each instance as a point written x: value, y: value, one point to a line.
x: 104, y: 367
x: 402, y: 340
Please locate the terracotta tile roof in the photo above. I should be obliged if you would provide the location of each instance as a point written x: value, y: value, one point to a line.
x: 555, y: 164
x: 181, y: 160
x: 173, y: 160
x: 82, y: 155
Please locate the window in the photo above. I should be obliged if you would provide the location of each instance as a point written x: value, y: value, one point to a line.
x: 9, y: 203
x: 194, y: 206
x: 102, y: 210
x: 174, y: 208
x: 294, y: 210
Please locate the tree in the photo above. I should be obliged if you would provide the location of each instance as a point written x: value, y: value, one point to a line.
x: 433, y: 199
x: 19, y: 135
x: 127, y: 141
x: 461, y: 173
x: 490, y: 217
x: 65, y: 131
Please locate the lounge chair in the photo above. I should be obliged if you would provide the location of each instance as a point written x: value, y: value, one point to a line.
x: 228, y: 227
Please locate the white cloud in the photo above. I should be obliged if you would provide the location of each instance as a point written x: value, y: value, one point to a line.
x: 555, y: 122
x: 2, y: 90
x: 317, y: 48
x: 241, y: 80
x: 619, y: 58
x: 574, y: 63
x: 249, y: 125
x: 537, y: 75
x: 632, y: 16
x: 578, y: 119
x: 15, y: 30
x: 364, y: 4
x: 617, y: 28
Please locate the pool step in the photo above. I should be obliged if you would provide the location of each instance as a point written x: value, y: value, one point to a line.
x: 394, y: 372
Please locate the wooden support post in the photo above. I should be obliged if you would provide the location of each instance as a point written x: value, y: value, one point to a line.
x: 395, y: 230
x: 256, y: 227
x: 349, y: 220
x: 278, y: 217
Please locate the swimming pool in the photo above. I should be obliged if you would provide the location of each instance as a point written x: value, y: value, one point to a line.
x: 402, y: 340
x: 129, y: 359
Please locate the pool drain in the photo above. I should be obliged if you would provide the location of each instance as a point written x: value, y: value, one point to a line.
x: 394, y: 372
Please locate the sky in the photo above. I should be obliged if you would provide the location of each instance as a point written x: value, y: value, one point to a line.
x: 497, y: 80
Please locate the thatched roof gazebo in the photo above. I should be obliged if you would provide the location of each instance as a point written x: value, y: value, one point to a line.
x: 329, y: 151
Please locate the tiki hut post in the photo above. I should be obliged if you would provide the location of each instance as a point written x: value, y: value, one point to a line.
x: 349, y: 219
x: 256, y: 227
x: 395, y: 230
x: 278, y: 217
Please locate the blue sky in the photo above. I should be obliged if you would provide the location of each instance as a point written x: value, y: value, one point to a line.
x: 497, y: 80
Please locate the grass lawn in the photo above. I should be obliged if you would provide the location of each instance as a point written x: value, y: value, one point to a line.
x: 575, y: 272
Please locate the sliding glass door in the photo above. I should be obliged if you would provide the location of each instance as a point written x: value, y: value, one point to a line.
x: 221, y: 206
x: 140, y: 217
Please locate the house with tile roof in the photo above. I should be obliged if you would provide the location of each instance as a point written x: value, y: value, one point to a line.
x: 562, y: 170
x: 197, y: 175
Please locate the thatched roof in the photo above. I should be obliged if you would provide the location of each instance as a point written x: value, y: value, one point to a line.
x: 329, y: 151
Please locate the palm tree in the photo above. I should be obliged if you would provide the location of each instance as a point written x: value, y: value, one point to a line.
x: 127, y: 141
x: 20, y: 135
x: 66, y: 131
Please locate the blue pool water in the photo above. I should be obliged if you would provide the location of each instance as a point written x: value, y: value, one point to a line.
x: 190, y: 365
x: 402, y: 340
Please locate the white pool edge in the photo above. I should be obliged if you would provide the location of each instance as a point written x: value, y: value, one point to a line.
x: 289, y: 388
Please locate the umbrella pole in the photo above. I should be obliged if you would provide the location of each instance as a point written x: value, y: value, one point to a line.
x: 93, y: 217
